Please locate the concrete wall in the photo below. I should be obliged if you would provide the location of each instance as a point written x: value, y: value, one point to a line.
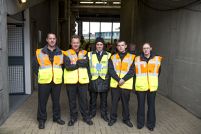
x: 4, y: 101
x: 40, y: 21
x: 175, y: 35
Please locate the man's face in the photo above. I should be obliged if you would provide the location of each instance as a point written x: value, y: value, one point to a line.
x: 99, y: 46
x: 75, y: 43
x: 51, y: 40
x: 121, y: 46
x: 146, y: 49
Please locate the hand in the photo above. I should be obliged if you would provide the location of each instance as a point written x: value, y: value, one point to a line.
x: 121, y: 82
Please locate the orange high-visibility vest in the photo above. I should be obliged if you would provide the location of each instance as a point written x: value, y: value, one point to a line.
x: 147, y: 73
x: 79, y: 75
x: 122, y: 68
x: 48, y: 72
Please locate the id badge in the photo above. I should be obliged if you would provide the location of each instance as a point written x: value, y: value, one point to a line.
x: 98, y: 66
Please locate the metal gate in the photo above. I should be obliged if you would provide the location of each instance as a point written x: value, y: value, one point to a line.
x: 16, y: 58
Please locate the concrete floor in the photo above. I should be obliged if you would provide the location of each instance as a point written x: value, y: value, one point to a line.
x: 171, y: 119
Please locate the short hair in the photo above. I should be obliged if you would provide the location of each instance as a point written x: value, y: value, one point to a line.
x: 75, y: 37
x: 119, y: 41
x: 51, y: 33
x: 147, y: 43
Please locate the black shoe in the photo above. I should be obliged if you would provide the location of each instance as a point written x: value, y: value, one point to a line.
x: 71, y: 122
x: 105, y: 118
x: 111, y: 122
x: 59, y: 121
x: 151, y: 129
x: 88, y: 121
x: 138, y: 127
x: 41, y: 125
x: 128, y: 123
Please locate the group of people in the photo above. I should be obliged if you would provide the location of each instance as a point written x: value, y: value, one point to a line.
x: 96, y: 72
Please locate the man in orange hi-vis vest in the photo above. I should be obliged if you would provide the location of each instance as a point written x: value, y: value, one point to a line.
x: 121, y: 70
x: 47, y: 66
x: 76, y: 79
x: 147, y: 68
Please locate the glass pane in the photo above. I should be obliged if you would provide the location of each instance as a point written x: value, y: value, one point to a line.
x: 106, y: 28
x: 94, y: 31
x: 116, y: 30
x: 76, y: 28
x: 85, y: 31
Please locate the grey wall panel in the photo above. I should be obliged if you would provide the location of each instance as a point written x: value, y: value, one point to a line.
x: 175, y: 35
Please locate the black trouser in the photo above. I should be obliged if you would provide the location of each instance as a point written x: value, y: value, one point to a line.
x: 151, y: 116
x: 124, y: 95
x: 44, y: 90
x: 80, y: 90
x: 103, y: 103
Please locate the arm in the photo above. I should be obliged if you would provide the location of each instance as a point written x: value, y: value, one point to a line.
x: 68, y: 65
x: 35, y: 66
x: 159, y: 72
x: 112, y: 72
x: 84, y: 63
x: 130, y: 73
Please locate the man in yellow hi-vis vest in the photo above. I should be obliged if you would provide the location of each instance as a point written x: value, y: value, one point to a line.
x: 121, y: 70
x: 47, y: 66
x: 99, y: 78
x: 76, y: 79
x: 147, y: 67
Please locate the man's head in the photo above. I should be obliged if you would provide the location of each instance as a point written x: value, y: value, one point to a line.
x: 121, y: 46
x: 75, y: 42
x: 146, y: 48
x: 51, y: 39
x: 99, y: 44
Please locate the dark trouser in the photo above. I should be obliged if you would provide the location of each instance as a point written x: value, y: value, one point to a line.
x: 44, y: 90
x: 80, y: 90
x: 151, y: 116
x: 103, y: 103
x: 124, y: 95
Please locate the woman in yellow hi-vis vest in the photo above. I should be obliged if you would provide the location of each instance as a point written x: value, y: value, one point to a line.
x: 147, y: 68
x: 76, y: 79
x: 48, y: 67
x: 121, y: 70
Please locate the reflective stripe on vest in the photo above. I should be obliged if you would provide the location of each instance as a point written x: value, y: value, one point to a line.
x: 47, y: 71
x: 122, y: 68
x: 147, y: 73
x: 93, y: 62
x: 79, y: 75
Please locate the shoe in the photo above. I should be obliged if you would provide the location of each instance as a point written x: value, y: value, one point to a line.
x: 105, y: 118
x: 88, y: 121
x: 71, y: 122
x: 138, y: 127
x: 111, y: 122
x: 128, y: 123
x: 59, y: 121
x: 151, y: 129
x: 41, y: 125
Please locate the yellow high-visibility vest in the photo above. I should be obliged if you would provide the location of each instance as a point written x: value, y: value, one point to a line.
x: 93, y: 63
x: 48, y: 72
x: 122, y: 68
x: 79, y: 75
x: 147, y: 74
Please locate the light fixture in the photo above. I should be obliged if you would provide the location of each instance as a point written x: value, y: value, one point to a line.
x: 100, y: 2
x: 86, y: 2
x: 22, y: 1
x: 116, y: 3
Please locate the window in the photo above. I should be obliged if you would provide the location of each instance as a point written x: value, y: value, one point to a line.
x: 109, y: 31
